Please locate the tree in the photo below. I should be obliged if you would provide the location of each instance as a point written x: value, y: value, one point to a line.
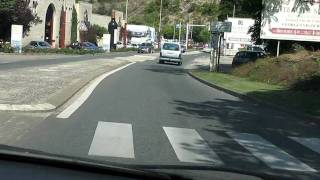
x: 74, y: 25
x: 100, y: 30
x: 15, y: 12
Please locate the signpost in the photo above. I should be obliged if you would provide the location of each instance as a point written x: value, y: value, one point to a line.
x: 217, y: 29
x: 16, y: 37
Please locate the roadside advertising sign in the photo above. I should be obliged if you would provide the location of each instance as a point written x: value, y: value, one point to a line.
x: 239, y: 31
x: 16, y: 37
x: 291, y: 21
x: 106, y: 42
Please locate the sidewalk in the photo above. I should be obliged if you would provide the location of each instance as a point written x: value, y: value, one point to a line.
x: 43, y: 88
x: 203, y: 63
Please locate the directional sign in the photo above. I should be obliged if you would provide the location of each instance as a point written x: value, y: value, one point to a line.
x: 218, y: 26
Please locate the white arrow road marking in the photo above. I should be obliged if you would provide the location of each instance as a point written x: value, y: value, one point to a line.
x: 85, y: 95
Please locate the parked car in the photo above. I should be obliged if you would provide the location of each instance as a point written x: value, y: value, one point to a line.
x: 38, y: 45
x: 243, y: 57
x: 146, y: 48
x: 75, y: 45
x: 89, y: 46
x: 119, y: 45
x: 183, y: 48
x: 171, y: 52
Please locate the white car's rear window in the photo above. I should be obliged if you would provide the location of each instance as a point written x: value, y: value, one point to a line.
x: 171, y: 47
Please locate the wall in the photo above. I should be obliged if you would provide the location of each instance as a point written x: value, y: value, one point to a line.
x: 37, y: 32
x: 82, y: 8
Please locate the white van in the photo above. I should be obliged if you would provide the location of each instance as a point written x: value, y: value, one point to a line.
x: 171, y: 52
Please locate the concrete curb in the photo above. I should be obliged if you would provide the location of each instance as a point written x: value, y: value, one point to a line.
x: 62, y: 96
x: 253, y: 99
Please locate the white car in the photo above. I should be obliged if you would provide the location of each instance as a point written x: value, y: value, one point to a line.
x: 171, y: 52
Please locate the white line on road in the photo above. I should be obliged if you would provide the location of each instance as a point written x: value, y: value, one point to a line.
x: 112, y: 140
x: 85, y: 95
x: 311, y: 143
x: 190, y: 147
x: 270, y: 154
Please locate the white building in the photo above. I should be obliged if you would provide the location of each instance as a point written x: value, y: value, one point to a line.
x: 56, y: 20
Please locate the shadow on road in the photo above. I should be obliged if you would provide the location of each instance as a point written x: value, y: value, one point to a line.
x: 243, y: 117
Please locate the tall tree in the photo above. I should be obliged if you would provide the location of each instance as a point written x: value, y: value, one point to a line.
x: 74, y: 25
x: 15, y: 12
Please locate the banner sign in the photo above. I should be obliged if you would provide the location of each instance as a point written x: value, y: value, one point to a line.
x: 290, y: 20
x: 16, y: 37
x: 239, y: 31
x: 106, y: 42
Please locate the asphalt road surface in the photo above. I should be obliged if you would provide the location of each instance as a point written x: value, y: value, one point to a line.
x: 156, y: 116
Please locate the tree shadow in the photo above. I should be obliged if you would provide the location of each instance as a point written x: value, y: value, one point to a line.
x: 243, y: 116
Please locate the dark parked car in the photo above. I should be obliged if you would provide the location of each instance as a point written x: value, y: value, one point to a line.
x: 243, y: 57
x: 84, y: 45
x: 89, y: 46
x: 38, y: 45
x: 146, y: 48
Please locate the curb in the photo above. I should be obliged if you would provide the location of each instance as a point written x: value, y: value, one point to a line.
x: 60, y: 97
x: 253, y: 99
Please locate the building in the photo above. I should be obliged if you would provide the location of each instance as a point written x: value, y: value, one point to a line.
x: 56, y: 21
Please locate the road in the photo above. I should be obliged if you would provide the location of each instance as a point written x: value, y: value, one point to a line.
x: 155, y: 115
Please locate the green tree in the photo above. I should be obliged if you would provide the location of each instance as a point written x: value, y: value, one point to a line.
x: 74, y: 25
x: 100, y: 30
x: 15, y: 12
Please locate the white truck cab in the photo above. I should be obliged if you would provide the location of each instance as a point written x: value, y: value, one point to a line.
x: 170, y: 52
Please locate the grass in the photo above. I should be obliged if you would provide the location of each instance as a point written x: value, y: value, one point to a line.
x: 304, y: 101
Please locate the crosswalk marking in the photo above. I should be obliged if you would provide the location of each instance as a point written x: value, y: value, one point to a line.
x: 268, y: 153
x: 113, y: 140
x: 190, y: 147
x: 311, y: 143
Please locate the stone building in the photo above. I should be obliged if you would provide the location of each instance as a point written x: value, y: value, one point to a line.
x: 56, y: 20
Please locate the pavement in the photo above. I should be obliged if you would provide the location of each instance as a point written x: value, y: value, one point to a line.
x: 155, y: 116
x: 40, y: 83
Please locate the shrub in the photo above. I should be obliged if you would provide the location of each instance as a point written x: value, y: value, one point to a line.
x: 6, y: 48
x: 286, y: 70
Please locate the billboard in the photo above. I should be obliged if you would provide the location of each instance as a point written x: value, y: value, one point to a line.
x: 291, y: 20
x: 16, y: 37
x: 239, y: 31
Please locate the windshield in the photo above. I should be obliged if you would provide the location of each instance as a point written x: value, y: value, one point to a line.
x: 172, y: 47
x: 43, y: 44
x: 180, y: 85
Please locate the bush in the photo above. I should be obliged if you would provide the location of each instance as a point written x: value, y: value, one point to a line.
x: 287, y: 70
x: 6, y: 48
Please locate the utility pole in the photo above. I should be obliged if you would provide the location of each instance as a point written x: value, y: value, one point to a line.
x: 174, y: 31
x: 125, y: 39
x: 160, y: 23
x: 234, y: 10
x: 180, y: 32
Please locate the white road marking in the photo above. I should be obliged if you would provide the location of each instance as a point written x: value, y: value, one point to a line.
x: 190, y: 147
x: 311, y: 143
x: 113, y: 140
x: 85, y: 95
x: 27, y: 107
x: 270, y: 154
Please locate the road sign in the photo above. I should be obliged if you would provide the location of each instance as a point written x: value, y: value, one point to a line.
x: 218, y: 26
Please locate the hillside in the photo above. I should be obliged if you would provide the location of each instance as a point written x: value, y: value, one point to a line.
x: 147, y: 11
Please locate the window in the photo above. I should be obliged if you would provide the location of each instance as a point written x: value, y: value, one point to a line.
x: 172, y: 47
